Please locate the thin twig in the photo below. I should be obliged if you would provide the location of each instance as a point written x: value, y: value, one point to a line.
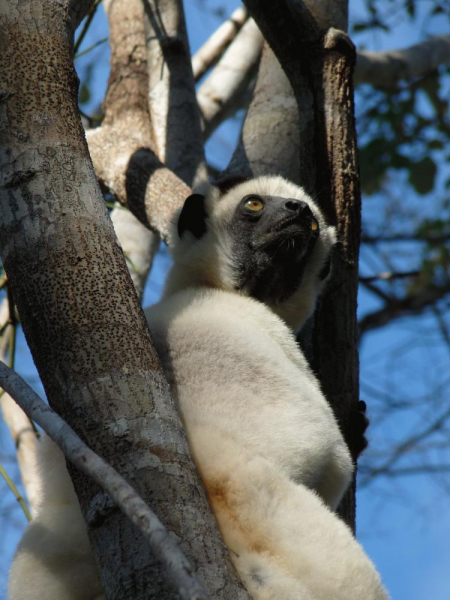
x: 102, y: 41
x: 85, y: 28
x: 162, y: 544
x: 411, y: 237
x: 12, y: 486
x: 387, y: 276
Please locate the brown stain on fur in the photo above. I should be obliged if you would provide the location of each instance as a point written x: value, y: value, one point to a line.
x: 226, y: 505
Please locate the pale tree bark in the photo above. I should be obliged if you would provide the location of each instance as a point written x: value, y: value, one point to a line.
x: 123, y: 150
x: 215, y: 46
x: 81, y: 315
x: 230, y: 78
x: 125, y: 129
x: 138, y: 243
x: 273, y: 110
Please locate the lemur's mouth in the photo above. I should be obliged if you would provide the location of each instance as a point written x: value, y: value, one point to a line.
x: 303, y: 227
x: 288, y: 235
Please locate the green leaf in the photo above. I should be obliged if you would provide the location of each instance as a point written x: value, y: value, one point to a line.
x: 422, y: 175
x: 411, y: 9
x: 360, y: 27
x: 85, y: 94
x: 435, y: 145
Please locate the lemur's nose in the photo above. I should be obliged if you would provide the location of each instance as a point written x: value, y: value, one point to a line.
x: 297, y: 206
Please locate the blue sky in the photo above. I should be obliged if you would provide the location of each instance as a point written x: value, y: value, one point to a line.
x: 404, y: 524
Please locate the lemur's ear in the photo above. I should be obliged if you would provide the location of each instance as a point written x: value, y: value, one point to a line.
x: 193, y: 216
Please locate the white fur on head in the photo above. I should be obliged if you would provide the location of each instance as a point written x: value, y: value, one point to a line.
x: 210, y: 261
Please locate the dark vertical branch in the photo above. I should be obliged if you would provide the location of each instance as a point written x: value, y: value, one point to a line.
x: 335, y: 350
x: 172, y: 101
x: 326, y: 61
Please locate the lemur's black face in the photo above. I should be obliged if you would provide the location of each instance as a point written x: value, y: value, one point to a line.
x: 272, y: 238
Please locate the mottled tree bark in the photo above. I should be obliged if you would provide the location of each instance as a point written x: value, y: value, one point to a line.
x: 80, y: 312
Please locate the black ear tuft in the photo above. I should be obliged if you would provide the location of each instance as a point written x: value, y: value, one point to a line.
x: 226, y: 182
x: 193, y: 216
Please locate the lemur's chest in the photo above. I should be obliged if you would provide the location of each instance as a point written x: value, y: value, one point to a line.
x: 233, y: 374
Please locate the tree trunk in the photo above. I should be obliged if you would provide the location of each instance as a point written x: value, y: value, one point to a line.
x: 80, y: 312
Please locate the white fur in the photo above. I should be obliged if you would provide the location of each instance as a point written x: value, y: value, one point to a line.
x: 266, y: 444
x: 211, y: 262
x: 263, y: 437
x: 54, y: 560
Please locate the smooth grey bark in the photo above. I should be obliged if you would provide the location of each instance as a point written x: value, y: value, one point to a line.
x: 81, y: 315
x: 230, y: 78
x: 287, y: 134
x: 215, y: 46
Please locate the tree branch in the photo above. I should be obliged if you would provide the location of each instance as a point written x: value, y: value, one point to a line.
x: 387, y: 276
x: 172, y: 102
x: 124, y: 130
x: 214, y: 47
x: 139, y: 245
x: 392, y: 239
x: 122, y: 148
x: 273, y: 110
x: 397, y: 308
x: 387, y: 69
x: 163, y: 545
x: 230, y: 78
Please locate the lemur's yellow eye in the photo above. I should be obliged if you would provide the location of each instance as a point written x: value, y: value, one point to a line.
x: 254, y: 204
x: 314, y: 225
